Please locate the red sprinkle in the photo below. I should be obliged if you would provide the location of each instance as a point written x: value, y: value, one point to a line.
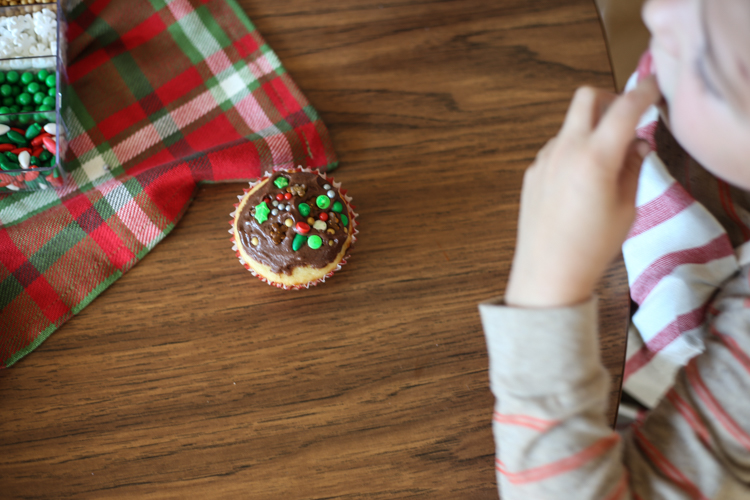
x: 49, y: 144
x: 30, y: 176
x: 323, y: 216
x: 7, y: 147
x: 288, y: 196
x: 302, y: 227
x: 19, y: 150
x: 20, y: 131
x: 37, y: 151
x: 279, y: 196
x: 37, y: 141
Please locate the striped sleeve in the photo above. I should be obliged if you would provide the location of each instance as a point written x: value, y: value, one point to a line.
x: 552, y: 439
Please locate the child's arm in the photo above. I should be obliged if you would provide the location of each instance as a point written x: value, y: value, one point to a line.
x: 577, y: 206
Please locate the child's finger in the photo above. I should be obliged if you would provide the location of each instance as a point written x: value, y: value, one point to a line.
x: 585, y: 110
x: 616, y: 129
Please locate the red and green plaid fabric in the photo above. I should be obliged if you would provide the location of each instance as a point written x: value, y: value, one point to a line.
x: 163, y: 95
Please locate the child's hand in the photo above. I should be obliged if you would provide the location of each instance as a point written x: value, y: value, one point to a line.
x: 578, y: 199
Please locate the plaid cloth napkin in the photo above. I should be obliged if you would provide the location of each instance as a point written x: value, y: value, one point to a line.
x: 163, y: 95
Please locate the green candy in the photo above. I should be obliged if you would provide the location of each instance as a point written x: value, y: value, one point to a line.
x: 25, y: 118
x: 281, y: 182
x: 27, y: 78
x: 4, y: 139
x: 304, y: 209
x: 52, y: 92
x: 314, y: 242
x: 298, y: 241
x: 45, y: 107
x: 2, y: 77
x: 34, y: 130
x: 39, y: 98
x: 261, y: 212
x: 7, y: 101
x: 50, y: 80
x: 42, y: 75
x: 12, y: 77
x: 6, y: 90
x: 5, y: 164
x: 15, y: 91
x: 34, y: 160
x: 15, y: 137
x: 45, y: 155
x: 338, y: 207
x: 14, y: 108
x: 24, y: 99
x: 4, y: 110
x: 49, y: 101
x: 11, y: 156
x: 33, y: 88
x: 323, y: 202
x: 345, y: 220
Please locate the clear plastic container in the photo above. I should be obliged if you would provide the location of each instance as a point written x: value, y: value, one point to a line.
x: 45, y: 169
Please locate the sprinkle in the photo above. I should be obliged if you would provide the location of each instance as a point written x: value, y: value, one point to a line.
x: 254, y: 241
x: 279, y: 196
x: 330, y: 243
x: 314, y: 241
x: 326, y: 186
x: 304, y: 209
x: 288, y: 196
x: 275, y: 203
x: 345, y: 220
x: 320, y: 225
x: 261, y: 213
x: 338, y: 207
x: 310, y: 221
x: 298, y: 241
x: 323, y: 202
x: 275, y: 211
x: 280, y: 206
x: 302, y: 228
x: 323, y: 216
x: 281, y: 182
x: 289, y: 223
x: 331, y: 193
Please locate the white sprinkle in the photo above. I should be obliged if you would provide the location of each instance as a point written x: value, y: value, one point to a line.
x: 275, y: 203
x: 4, y: 129
x: 281, y: 206
x: 320, y: 225
x: 326, y: 187
x: 275, y: 211
x: 331, y: 193
x: 51, y: 128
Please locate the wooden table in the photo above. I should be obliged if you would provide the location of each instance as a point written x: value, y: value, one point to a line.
x: 190, y: 379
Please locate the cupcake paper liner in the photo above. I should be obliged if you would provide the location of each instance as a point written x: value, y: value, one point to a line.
x: 353, y: 221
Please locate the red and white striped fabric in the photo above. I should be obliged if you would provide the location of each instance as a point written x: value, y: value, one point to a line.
x: 677, y: 255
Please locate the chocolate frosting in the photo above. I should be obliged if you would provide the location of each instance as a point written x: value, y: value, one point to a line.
x: 275, y: 238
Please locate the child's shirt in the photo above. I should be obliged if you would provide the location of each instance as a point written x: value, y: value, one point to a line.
x: 552, y: 438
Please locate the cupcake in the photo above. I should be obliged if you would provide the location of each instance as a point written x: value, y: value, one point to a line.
x: 293, y: 228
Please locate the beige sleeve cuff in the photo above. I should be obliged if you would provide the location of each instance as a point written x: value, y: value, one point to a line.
x: 538, y: 352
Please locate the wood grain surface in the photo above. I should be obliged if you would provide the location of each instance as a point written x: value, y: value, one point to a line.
x: 188, y: 378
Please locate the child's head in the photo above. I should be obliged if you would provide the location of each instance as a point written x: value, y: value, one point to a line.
x: 701, y: 57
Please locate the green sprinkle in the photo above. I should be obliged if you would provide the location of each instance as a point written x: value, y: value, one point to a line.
x: 304, y: 209
x: 314, y: 242
x: 16, y: 137
x: 338, y: 207
x: 261, y: 212
x: 11, y: 156
x: 34, y: 130
x: 323, y: 201
x: 299, y: 240
x: 345, y: 220
x: 281, y: 182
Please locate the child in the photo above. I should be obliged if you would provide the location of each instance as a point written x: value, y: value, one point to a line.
x: 577, y: 207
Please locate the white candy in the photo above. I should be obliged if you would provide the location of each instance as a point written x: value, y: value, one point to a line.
x: 28, y: 36
x: 319, y: 225
x: 24, y: 159
x: 4, y: 129
x: 51, y: 128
